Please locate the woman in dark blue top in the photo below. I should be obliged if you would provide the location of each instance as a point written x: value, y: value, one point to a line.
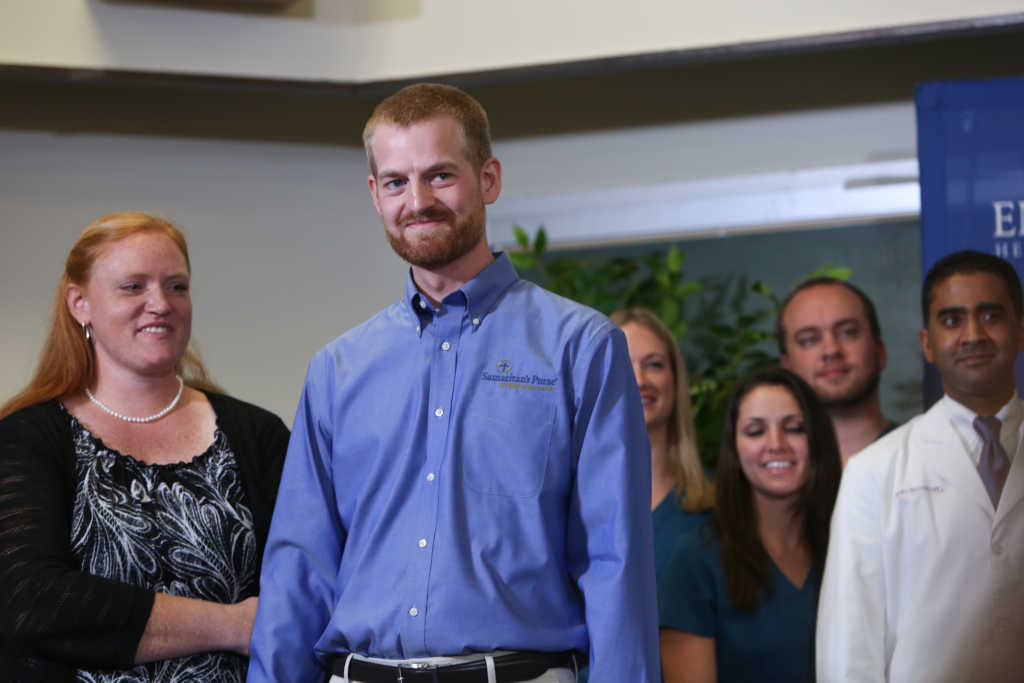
x: 681, y: 494
x: 739, y: 596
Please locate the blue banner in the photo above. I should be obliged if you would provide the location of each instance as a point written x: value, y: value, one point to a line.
x: 970, y: 147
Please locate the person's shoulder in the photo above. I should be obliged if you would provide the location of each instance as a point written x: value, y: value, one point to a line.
x: 374, y: 329
x: 880, y: 453
x: 223, y: 403
x: 570, y: 317
x: 42, y: 429
x: 886, y: 465
x: 563, y: 306
x: 45, y: 415
x: 671, y: 512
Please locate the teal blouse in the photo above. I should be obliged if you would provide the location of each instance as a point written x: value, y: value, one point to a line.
x: 775, y: 642
x: 671, y: 522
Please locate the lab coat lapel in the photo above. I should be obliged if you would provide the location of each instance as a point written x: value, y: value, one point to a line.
x: 948, y: 459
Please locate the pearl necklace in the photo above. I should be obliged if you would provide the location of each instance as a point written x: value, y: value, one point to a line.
x: 151, y: 418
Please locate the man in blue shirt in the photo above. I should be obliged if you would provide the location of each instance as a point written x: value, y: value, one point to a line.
x: 465, y: 496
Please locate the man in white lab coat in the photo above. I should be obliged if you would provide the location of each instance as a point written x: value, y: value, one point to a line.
x: 924, y: 580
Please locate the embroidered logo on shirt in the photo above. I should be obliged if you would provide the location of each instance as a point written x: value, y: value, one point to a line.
x: 508, y: 380
x: 919, y: 489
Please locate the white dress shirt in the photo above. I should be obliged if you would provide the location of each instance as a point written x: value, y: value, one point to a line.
x: 962, y: 418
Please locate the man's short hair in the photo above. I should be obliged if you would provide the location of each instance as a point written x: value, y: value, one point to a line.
x: 422, y: 101
x: 869, y: 307
x: 967, y: 262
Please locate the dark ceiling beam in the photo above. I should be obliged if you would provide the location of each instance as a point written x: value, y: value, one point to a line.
x: 580, y: 68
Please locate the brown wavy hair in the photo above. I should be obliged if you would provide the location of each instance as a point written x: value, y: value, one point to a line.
x: 745, y: 562
x: 694, y: 489
x: 66, y: 363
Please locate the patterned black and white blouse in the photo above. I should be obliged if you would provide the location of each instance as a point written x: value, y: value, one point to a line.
x: 183, y: 529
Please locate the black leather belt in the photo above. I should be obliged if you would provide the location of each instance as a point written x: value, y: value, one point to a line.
x: 509, y: 668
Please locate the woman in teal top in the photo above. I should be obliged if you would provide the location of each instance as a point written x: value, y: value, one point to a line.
x: 739, y: 596
x: 681, y: 494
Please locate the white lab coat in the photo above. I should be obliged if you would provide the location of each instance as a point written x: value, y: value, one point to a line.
x: 924, y: 581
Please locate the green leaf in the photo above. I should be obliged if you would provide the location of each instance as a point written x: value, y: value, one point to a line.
x: 752, y: 337
x: 830, y: 269
x: 674, y: 259
x: 746, y: 320
x: 540, y: 242
x: 522, y: 239
x: 685, y: 290
x: 662, y: 278
x: 669, y: 311
x: 839, y: 272
x: 761, y: 288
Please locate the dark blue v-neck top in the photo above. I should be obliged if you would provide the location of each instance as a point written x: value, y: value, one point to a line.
x: 775, y: 642
x: 671, y: 522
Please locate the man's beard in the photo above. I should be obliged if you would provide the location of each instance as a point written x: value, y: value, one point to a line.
x: 855, y: 395
x: 445, y: 246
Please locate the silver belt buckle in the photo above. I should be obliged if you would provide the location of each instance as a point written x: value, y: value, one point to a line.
x: 415, y: 666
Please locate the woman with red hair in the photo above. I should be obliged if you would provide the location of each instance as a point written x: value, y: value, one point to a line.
x: 135, y: 497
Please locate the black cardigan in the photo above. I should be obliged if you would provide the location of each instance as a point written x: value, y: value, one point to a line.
x: 55, y: 618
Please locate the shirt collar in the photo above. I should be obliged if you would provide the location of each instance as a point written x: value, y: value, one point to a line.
x: 1010, y: 415
x: 480, y: 294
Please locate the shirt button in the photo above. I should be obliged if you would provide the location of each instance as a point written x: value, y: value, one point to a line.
x: 423, y: 304
x: 445, y: 346
x: 430, y: 477
x: 417, y: 328
x: 997, y: 548
x: 422, y: 543
x: 476, y: 321
x: 439, y: 412
x: 413, y: 611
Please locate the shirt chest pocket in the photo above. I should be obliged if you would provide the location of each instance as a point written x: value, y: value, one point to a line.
x: 506, y: 444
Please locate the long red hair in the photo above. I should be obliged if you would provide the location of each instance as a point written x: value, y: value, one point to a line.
x: 66, y: 364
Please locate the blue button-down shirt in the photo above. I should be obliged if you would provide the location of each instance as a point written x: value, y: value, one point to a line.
x: 464, y: 479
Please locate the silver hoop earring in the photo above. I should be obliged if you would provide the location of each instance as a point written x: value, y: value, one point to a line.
x: 87, y: 331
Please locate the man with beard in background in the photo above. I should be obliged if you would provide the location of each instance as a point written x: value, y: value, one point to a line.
x: 829, y: 335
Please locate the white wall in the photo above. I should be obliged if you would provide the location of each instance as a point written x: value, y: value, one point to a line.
x: 719, y: 176
x: 287, y: 250
x: 716, y: 148
x: 369, y: 40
